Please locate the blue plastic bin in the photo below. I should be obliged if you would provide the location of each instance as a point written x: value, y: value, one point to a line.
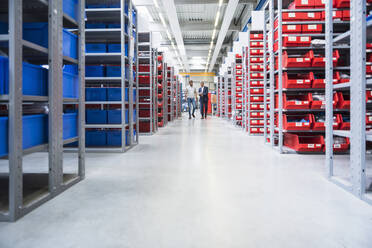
x: 70, y: 85
x: 134, y: 115
x: 134, y: 95
x: 71, y: 7
x: 113, y: 71
x: 117, y: 25
x: 96, y: 116
x: 96, y: 94
x: 95, y: 138
x: 35, y: 79
x: 114, y: 94
x: 127, y: 137
x: 70, y: 41
x: 114, y: 48
x: 114, y: 138
x: 94, y: 71
x: 3, y: 136
x: 35, y: 130
x: 126, y: 94
x: 38, y: 34
x: 70, y: 125
x: 134, y: 14
x: 73, y: 69
x: 93, y: 6
x: 95, y: 48
x: 95, y: 25
x: 114, y: 116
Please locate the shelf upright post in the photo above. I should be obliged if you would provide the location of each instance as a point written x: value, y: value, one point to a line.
x: 131, y: 79
x: 329, y: 87
x: 81, y: 117
x: 136, y: 73
x: 265, y: 77
x: 15, y: 110
x: 358, y: 95
x: 272, y: 71
x: 55, y: 97
x: 280, y: 72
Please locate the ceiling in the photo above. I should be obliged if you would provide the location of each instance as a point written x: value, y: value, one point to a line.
x: 188, y: 25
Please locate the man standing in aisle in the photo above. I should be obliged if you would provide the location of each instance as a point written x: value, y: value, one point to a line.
x: 203, y: 93
x: 191, y: 96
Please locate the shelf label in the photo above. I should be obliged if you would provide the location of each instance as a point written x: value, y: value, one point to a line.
x: 311, y: 27
x: 299, y: 81
x: 298, y: 124
x: 304, y: 2
x: 304, y: 38
x: 298, y: 102
x: 310, y: 146
x: 292, y: 38
x: 291, y: 27
x: 291, y: 15
x: 311, y: 14
x: 299, y: 59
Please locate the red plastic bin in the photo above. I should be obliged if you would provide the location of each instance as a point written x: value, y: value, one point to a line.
x: 337, y: 14
x: 344, y: 122
x: 256, y: 67
x: 256, y: 36
x: 299, y: 101
x: 296, y: 81
x: 257, y: 99
x: 144, y: 68
x: 257, y: 52
x: 368, y: 119
x: 238, y: 67
x: 304, y: 143
x: 345, y: 15
x: 256, y: 60
x: 296, y: 41
x: 312, y: 28
x: 319, y: 83
x: 319, y: 60
x: 257, y: 44
x: 257, y: 84
x: 320, y: 126
x: 144, y: 79
x: 257, y: 75
x: 294, y: 123
x: 341, y: 147
x: 257, y: 91
x: 320, y: 104
x: 343, y: 101
x: 304, y: 61
x: 303, y: 4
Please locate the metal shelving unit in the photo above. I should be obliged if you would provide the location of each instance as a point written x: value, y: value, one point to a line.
x: 256, y: 97
x: 170, y: 93
x: 237, y: 90
x: 148, y: 87
x: 357, y: 177
x: 161, y: 79
x: 220, y: 97
x: 279, y: 31
x: 120, y: 29
x: 228, y: 93
x: 20, y: 191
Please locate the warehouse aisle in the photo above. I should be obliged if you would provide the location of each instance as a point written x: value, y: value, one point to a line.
x: 198, y: 184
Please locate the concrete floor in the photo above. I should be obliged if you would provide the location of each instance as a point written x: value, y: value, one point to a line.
x: 199, y: 184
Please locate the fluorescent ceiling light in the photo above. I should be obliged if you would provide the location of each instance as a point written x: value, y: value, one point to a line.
x: 219, y: 4
x: 217, y: 18
x: 157, y: 5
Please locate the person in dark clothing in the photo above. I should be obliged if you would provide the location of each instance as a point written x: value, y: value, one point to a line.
x: 203, y: 94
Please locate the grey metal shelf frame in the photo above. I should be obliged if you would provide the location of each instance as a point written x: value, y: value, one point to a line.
x: 22, y: 192
x: 359, y: 33
x: 115, y: 36
x: 146, y: 57
x: 237, y: 88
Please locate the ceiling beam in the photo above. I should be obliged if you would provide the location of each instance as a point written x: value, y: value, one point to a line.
x: 229, y: 15
x: 176, y: 29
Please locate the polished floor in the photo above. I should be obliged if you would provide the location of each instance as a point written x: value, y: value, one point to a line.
x: 198, y: 184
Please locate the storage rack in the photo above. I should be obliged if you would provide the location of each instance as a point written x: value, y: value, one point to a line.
x: 298, y: 75
x: 228, y: 96
x: 237, y: 91
x: 220, y: 97
x: 161, y: 89
x: 268, y: 88
x: 170, y: 93
x: 22, y: 192
x: 111, y: 37
x: 147, y: 84
x: 256, y: 97
x: 176, y: 94
x: 358, y: 37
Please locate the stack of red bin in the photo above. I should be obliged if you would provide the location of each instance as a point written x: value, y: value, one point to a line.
x: 238, y: 79
x: 161, y: 87
x: 303, y: 75
x: 255, y: 85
